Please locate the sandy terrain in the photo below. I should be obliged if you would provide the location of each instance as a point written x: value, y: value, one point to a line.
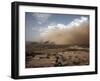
x: 49, y: 55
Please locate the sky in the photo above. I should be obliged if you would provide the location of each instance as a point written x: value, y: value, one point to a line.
x: 36, y: 24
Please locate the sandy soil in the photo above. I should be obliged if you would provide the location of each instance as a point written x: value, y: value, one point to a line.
x: 47, y: 55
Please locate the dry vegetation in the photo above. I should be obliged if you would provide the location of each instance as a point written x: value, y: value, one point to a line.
x: 51, y: 55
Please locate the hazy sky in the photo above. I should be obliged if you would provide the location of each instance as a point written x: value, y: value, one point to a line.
x: 35, y: 23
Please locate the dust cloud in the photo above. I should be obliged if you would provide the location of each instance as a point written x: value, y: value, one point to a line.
x: 76, y: 32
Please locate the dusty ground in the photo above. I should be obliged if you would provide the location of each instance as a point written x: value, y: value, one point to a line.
x: 48, y: 55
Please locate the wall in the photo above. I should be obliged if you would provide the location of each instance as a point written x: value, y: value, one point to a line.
x: 5, y: 40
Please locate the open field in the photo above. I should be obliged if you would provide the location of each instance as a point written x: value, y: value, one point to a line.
x: 51, y: 55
